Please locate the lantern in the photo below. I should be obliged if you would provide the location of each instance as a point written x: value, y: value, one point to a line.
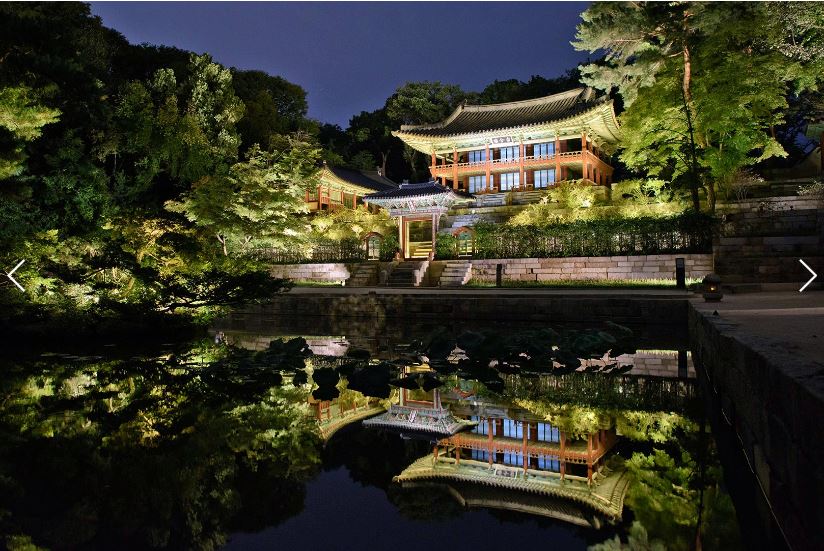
x: 712, y: 288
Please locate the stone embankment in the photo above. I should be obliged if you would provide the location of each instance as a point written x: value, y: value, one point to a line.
x: 659, y: 266
x: 760, y: 356
x: 761, y: 241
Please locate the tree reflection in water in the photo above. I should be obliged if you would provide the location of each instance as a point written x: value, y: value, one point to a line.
x: 165, y: 452
x: 180, y: 450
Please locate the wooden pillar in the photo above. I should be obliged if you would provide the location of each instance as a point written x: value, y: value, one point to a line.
x: 562, y: 454
x: 589, y: 459
x: 434, y: 159
x: 490, y: 449
x: 557, y: 159
x: 435, y: 454
x: 488, y: 168
x: 434, y: 229
x: 454, y: 168
x: 525, y: 431
x: 400, y: 236
x: 457, y: 455
x: 521, y: 181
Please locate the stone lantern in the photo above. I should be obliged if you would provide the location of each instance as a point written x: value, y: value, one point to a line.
x: 712, y: 288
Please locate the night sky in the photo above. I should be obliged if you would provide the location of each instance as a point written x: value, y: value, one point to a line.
x: 350, y: 57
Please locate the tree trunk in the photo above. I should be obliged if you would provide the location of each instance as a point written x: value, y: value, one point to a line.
x: 223, y: 243
x: 711, y: 196
x: 688, y: 108
x: 384, y: 158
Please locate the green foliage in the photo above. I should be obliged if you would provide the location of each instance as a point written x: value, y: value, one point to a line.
x: 602, y: 237
x: 814, y: 190
x: 273, y: 106
x: 110, y: 133
x: 701, y: 93
x: 446, y: 246
x: 638, y: 540
x: 419, y: 103
x: 155, y: 452
x: 390, y: 246
x: 258, y: 200
x: 357, y: 223
x: 572, y: 195
x: 21, y: 121
x: 423, y: 102
x: 641, y: 190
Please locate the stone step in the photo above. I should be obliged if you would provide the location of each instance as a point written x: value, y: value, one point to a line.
x: 456, y: 273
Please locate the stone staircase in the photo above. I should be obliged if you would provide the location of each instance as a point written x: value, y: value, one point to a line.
x: 364, y: 275
x: 463, y: 220
x: 422, y: 249
x: 764, y: 246
x: 408, y: 273
x: 456, y: 273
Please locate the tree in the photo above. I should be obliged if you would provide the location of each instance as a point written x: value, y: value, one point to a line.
x: 502, y: 91
x: 701, y: 86
x: 22, y: 121
x: 259, y: 199
x: 273, y: 106
x: 422, y: 103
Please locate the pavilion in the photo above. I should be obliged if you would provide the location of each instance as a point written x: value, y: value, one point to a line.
x: 417, y: 209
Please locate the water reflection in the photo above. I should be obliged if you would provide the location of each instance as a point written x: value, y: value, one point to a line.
x: 574, y: 431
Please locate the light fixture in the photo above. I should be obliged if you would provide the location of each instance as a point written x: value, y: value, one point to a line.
x: 712, y: 288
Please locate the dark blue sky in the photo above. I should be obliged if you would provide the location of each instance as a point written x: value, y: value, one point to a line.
x: 350, y: 57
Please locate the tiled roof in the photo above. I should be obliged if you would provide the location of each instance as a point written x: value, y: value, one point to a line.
x: 421, y: 189
x: 370, y: 179
x: 477, y: 118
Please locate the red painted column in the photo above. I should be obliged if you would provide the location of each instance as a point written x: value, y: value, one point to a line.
x: 525, y: 431
x: 488, y: 168
x: 521, y: 181
x: 563, y: 454
x: 557, y: 159
x: 490, y: 448
x: 589, y: 458
x: 455, y: 168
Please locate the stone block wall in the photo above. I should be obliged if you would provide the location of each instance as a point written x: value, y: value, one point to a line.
x: 656, y: 363
x: 332, y: 271
x: 661, y: 266
x: 774, y: 404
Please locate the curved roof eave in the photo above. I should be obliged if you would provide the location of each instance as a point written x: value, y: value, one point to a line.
x: 423, y: 142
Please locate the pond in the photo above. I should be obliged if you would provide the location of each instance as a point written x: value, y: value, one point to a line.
x: 316, y: 435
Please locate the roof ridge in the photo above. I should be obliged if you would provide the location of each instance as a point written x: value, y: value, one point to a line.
x: 584, y: 91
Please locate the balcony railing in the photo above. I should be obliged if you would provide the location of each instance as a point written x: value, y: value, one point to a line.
x: 500, y: 165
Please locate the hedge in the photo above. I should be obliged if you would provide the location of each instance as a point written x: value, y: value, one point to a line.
x: 684, y: 233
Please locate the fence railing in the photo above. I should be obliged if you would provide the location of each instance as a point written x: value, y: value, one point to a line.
x: 635, y: 236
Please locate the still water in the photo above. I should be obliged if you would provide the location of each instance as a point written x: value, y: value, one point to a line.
x: 319, y: 436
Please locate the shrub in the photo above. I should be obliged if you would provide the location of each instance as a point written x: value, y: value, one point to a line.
x: 814, y: 190
x: 685, y: 233
x: 446, y: 246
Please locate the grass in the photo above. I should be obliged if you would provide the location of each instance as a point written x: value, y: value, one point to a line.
x: 314, y: 283
x: 587, y: 284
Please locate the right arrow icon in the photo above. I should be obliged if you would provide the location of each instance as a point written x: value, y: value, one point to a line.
x: 815, y: 275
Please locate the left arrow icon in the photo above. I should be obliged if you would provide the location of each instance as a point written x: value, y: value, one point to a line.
x: 9, y: 275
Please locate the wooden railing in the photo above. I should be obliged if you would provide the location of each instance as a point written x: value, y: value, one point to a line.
x: 531, y: 162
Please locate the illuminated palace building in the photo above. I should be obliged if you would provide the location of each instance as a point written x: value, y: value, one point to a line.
x: 484, y: 157
x: 522, y: 145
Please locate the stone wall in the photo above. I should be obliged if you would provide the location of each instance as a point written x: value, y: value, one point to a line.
x: 761, y: 241
x: 332, y: 271
x: 660, y: 266
x: 436, y: 305
x: 773, y: 404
